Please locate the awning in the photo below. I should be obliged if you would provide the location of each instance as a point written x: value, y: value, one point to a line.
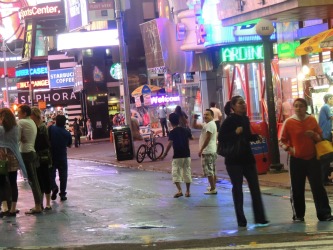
x: 312, y: 44
x: 143, y: 89
x: 327, y: 43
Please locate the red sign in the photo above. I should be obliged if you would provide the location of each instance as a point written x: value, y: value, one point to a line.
x: 10, y: 72
x: 44, y: 10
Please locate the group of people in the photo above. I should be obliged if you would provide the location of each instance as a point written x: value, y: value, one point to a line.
x: 79, y: 130
x: 38, y: 151
x: 299, y: 134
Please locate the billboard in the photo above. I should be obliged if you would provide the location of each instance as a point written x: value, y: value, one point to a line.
x: 76, y: 14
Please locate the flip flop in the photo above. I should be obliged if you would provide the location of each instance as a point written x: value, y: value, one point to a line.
x: 177, y: 195
x: 187, y: 194
x: 47, y: 208
x: 32, y: 211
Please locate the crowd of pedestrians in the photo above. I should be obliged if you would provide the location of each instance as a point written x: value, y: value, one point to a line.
x: 299, y: 135
x: 38, y: 151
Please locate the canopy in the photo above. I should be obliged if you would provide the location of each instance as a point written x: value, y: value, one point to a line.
x: 145, y: 89
x: 312, y: 44
x: 327, y: 43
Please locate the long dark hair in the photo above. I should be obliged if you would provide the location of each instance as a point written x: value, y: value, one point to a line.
x: 229, y: 104
x: 8, y: 119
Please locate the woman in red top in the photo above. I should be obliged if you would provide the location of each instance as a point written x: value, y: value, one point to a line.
x: 299, y: 134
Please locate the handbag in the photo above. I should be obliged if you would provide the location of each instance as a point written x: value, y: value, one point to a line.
x: 230, y: 149
x: 324, y: 151
x: 4, y: 165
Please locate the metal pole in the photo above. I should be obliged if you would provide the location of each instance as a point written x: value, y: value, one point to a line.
x: 122, y: 51
x: 273, y: 140
x: 3, y: 48
x: 31, y: 90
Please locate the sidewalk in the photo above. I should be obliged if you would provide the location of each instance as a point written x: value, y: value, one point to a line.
x: 102, y: 150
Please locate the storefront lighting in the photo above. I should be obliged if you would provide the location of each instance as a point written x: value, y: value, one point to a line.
x: 300, y: 76
x: 305, y: 70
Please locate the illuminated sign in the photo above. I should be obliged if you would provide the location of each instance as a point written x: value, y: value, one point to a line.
x: 164, y: 99
x: 45, y: 10
x: 36, y: 84
x: 53, y: 97
x: 77, y: 15
x: 39, y: 71
x: 116, y: 71
x: 242, y: 53
x: 80, y: 40
x: 287, y: 50
x: 61, y: 78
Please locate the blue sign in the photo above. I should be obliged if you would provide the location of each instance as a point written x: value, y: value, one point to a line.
x: 259, y: 147
x: 34, y: 71
x: 61, y: 78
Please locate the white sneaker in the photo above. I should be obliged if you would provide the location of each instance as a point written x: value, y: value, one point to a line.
x: 209, y: 192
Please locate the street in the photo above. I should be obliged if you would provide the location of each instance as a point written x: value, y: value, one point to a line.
x: 118, y: 208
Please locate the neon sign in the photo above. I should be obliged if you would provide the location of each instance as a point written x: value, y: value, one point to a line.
x: 36, y: 84
x: 33, y: 71
x: 242, y: 53
x: 52, y: 9
x: 164, y: 99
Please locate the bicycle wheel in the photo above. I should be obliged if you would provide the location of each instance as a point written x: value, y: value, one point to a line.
x: 141, y: 153
x: 157, y: 150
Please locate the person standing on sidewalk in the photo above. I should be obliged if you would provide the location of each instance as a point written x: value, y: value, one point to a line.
x: 60, y: 139
x: 77, y: 133
x: 89, y: 130
x: 28, y: 152
x: 217, y: 115
x: 325, y: 123
x: 234, y: 129
x: 299, y: 134
x: 181, y: 161
x: 162, y: 115
x: 9, y: 148
x: 42, y: 147
x: 207, y: 148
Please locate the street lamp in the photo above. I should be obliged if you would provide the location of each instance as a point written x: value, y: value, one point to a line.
x: 265, y: 29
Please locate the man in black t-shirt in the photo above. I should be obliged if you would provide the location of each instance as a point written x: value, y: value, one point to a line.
x: 181, y: 162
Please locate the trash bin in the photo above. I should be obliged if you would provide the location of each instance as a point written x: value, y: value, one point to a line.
x: 123, y: 144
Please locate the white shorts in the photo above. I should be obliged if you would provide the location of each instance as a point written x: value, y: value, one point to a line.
x: 181, y: 170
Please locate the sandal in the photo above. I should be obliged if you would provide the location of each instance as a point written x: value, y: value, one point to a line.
x: 48, y: 208
x: 187, y: 194
x: 32, y: 211
x: 177, y: 195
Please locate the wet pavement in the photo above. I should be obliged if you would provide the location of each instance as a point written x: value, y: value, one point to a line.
x: 132, y: 207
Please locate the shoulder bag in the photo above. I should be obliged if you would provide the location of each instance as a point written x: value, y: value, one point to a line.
x: 230, y: 149
x: 4, y: 164
x: 324, y: 151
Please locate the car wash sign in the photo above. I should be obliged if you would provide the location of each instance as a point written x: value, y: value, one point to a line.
x: 61, y: 78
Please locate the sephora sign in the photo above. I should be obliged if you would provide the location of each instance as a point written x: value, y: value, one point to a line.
x: 53, y: 97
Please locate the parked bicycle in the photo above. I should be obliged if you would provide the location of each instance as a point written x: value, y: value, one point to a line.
x: 153, y: 149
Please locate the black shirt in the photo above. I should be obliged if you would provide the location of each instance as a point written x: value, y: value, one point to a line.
x: 180, y: 142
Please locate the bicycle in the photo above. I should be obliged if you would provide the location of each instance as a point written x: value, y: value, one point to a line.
x: 153, y: 149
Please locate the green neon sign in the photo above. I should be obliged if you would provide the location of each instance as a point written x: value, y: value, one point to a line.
x: 242, y: 53
x: 287, y: 50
